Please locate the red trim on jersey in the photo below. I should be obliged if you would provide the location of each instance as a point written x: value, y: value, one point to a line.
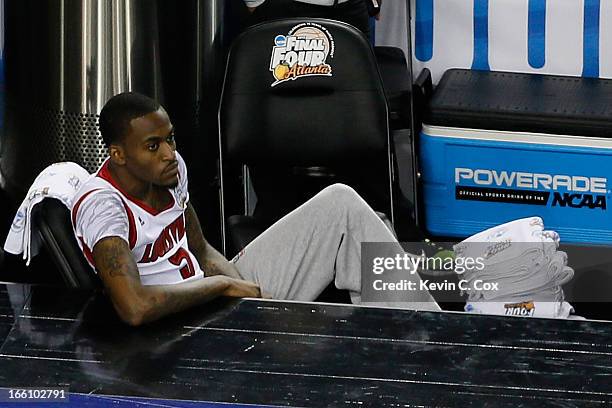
x: 87, y: 251
x: 132, y: 229
x: 105, y: 174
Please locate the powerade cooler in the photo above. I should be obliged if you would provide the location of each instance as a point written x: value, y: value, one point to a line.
x: 497, y: 146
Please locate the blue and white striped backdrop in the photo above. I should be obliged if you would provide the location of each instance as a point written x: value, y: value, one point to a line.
x: 569, y: 37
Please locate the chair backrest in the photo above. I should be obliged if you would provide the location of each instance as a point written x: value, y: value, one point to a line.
x: 52, y: 219
x: 330, y: 109
x: 303, y: 106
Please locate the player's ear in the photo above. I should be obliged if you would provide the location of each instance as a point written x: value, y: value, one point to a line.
x: 116, y: 153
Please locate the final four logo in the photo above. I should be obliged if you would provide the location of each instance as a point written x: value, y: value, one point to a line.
x: 301, y: 53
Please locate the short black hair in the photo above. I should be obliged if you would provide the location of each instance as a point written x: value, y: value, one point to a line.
x: 119, y: 110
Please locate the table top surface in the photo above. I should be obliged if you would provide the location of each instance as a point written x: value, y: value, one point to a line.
x: 301, y: 354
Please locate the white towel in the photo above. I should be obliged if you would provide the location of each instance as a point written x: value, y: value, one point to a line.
x: 60, y: 181
x: 503, y: 242
x: 523, y: 260
x: 555, y: 310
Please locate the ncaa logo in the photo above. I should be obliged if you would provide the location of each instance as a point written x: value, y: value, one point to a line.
x: 303, y: 52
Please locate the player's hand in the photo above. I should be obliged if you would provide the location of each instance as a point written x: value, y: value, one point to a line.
x: 242, y: 288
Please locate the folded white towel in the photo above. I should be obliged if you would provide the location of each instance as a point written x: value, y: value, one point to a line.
x: 523, y: 260
x: 556, y: 310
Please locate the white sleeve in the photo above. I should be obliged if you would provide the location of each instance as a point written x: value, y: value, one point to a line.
x: 253, y: 3
x: 102, y: 215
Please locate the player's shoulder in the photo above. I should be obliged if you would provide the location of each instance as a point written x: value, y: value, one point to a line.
x: 181, y: 190
x: 94, y: 189
x: 181, y: 165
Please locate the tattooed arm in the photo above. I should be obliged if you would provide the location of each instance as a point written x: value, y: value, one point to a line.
x: 210, y: 260
x: 137, y: 304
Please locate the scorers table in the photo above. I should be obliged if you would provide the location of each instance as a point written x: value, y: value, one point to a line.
x: 273, y: 353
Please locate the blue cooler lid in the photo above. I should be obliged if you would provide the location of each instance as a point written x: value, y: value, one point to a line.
x: 522, y: 102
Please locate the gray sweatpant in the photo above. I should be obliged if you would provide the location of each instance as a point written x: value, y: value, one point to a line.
x: 317, y: 243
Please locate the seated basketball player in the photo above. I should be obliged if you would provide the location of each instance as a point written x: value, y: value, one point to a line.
x: 135, y: 225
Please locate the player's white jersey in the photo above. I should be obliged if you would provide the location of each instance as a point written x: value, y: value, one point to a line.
x: 158, y: 239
